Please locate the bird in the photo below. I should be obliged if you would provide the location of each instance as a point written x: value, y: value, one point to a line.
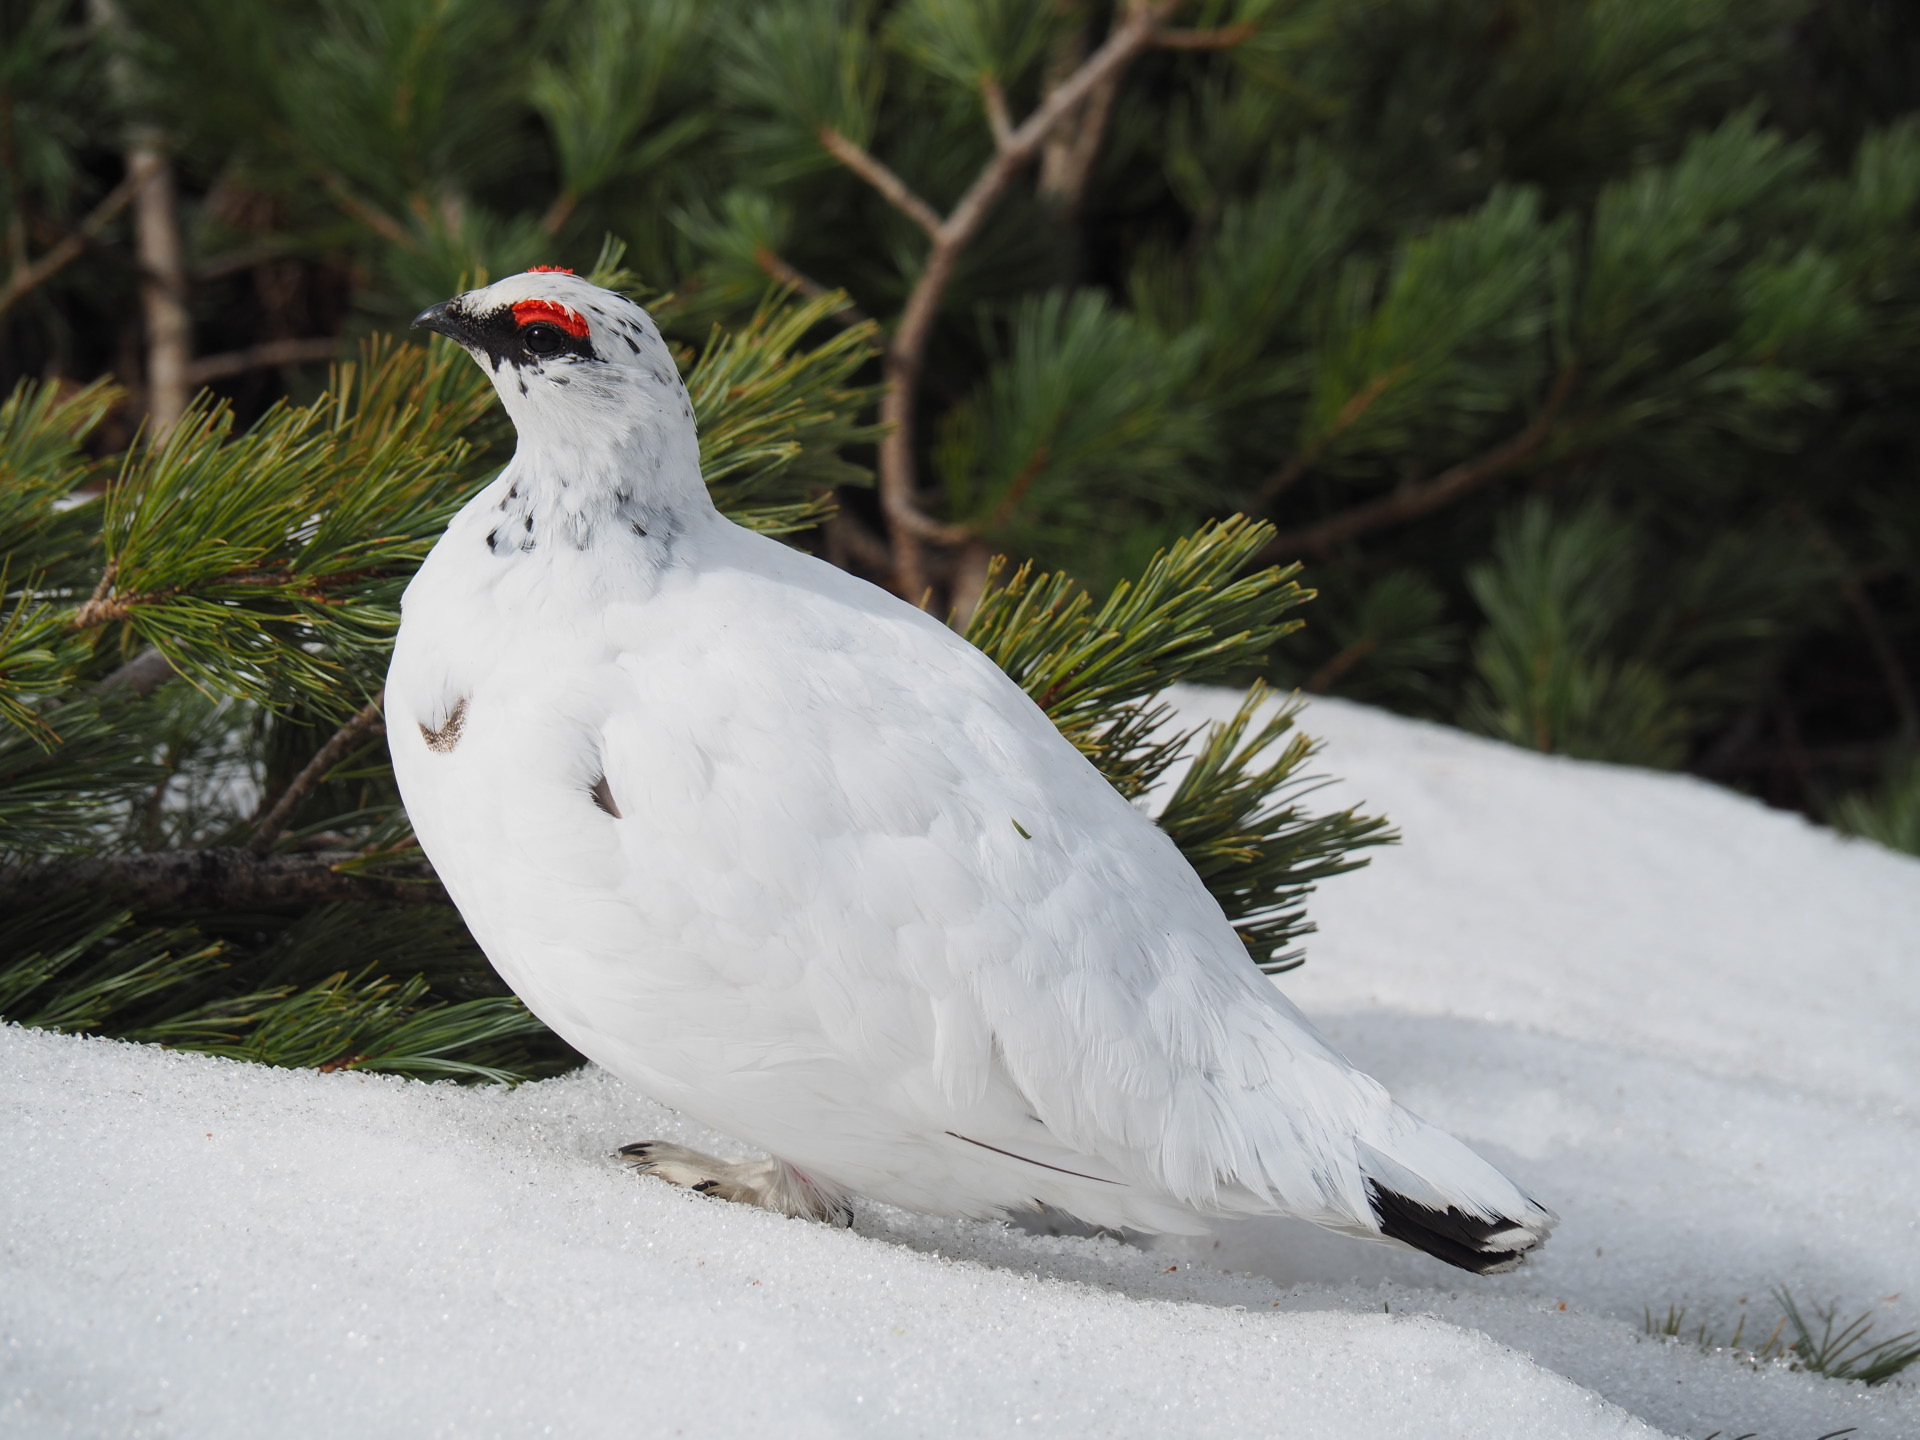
x: 790, y: 856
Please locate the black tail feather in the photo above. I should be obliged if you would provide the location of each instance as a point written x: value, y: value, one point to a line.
x: 1451, y: 1234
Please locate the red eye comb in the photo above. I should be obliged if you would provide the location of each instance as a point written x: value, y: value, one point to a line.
x: 548, y: 270
x: 571, y: 321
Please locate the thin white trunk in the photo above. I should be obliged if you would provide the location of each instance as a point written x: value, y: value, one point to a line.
x: 157, y: 244
x: 163, y: 282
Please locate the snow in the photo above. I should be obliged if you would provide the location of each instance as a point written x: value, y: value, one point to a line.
x: 1681, y: 1019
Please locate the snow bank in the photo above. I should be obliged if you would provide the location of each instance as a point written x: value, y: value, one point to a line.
x: 1686, y: 1022
x: 1689, y: 1023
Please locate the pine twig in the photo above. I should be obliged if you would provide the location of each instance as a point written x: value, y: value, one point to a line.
x: 872, y: 170
x: 1225, y: 37
x: 849, y: 539
x: 848, y: 316
x: 378, y: 221
x: 994, y: 98
x: 262, y: 357
x: 29, y: 277
x: 219, y: 879
x: 1290, y: 474
x: 1412, y: 501
x: 559, y: 212
x: 331, y: 754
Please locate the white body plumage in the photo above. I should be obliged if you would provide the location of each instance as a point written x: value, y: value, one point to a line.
x: 792, y: 857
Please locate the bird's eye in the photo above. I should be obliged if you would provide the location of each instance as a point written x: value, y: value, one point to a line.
x: 544, y: 339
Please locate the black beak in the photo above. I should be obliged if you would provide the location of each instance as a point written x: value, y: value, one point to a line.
x: 443, y: 319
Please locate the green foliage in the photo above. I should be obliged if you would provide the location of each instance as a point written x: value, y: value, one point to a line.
x: 775, y: 415
x: 1837, y: 1351
x: 963, y: 41
x: 1889, y: 815
x: 1388, y: 641
x: 1553, y: 596
x: 1845, y: 1353
x: 1083, y: 411
x: 68, y: 796
x: 1448, y: 334
x: 74, y: 970
x: 1237, y: 815
x: 1095, y: 671
x: 795, y: 67
x: 269, y: 565
x: 617, y: 68
x: 1599, y: 641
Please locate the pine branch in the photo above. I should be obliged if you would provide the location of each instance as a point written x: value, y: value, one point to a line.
x: 339, y: 745
x: 218, y: 879
x: 1236, y: 814
x: 1241, y: 824
x: 1190, y: 616
x: 1412, y: 501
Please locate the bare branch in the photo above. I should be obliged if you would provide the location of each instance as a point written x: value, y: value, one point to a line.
x: 1224, y: 38
x: 378, y: 221
x: 337, y: 748
x: 869, y: 169
x: 222, y: 879
x: 559, y: 212
x: 243, y: 258
x: 143, y: 674
x: 63, y: 254
x: 1339, y: 664
x: 99, y: 608
x: 1410, y: 502
x: 1113, y: 55
x: 850, y: 540
x: 849, y: 315
x: 1067, y: 158
x: 262, y: 357
x: 906, y: 356
x: 973, y: 567
x: 998, y: 120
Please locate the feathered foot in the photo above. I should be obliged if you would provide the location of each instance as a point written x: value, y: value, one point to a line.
x: 770, y: 1184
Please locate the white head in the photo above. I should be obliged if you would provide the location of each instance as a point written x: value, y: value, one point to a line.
x: 593, y: 393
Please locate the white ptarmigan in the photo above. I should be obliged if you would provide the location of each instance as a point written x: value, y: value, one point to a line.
x: 795, y: 859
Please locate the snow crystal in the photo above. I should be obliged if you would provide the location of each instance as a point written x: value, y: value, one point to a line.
x: 1684, y: 1021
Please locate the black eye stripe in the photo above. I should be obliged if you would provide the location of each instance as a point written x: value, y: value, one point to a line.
x: 527, y: 346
